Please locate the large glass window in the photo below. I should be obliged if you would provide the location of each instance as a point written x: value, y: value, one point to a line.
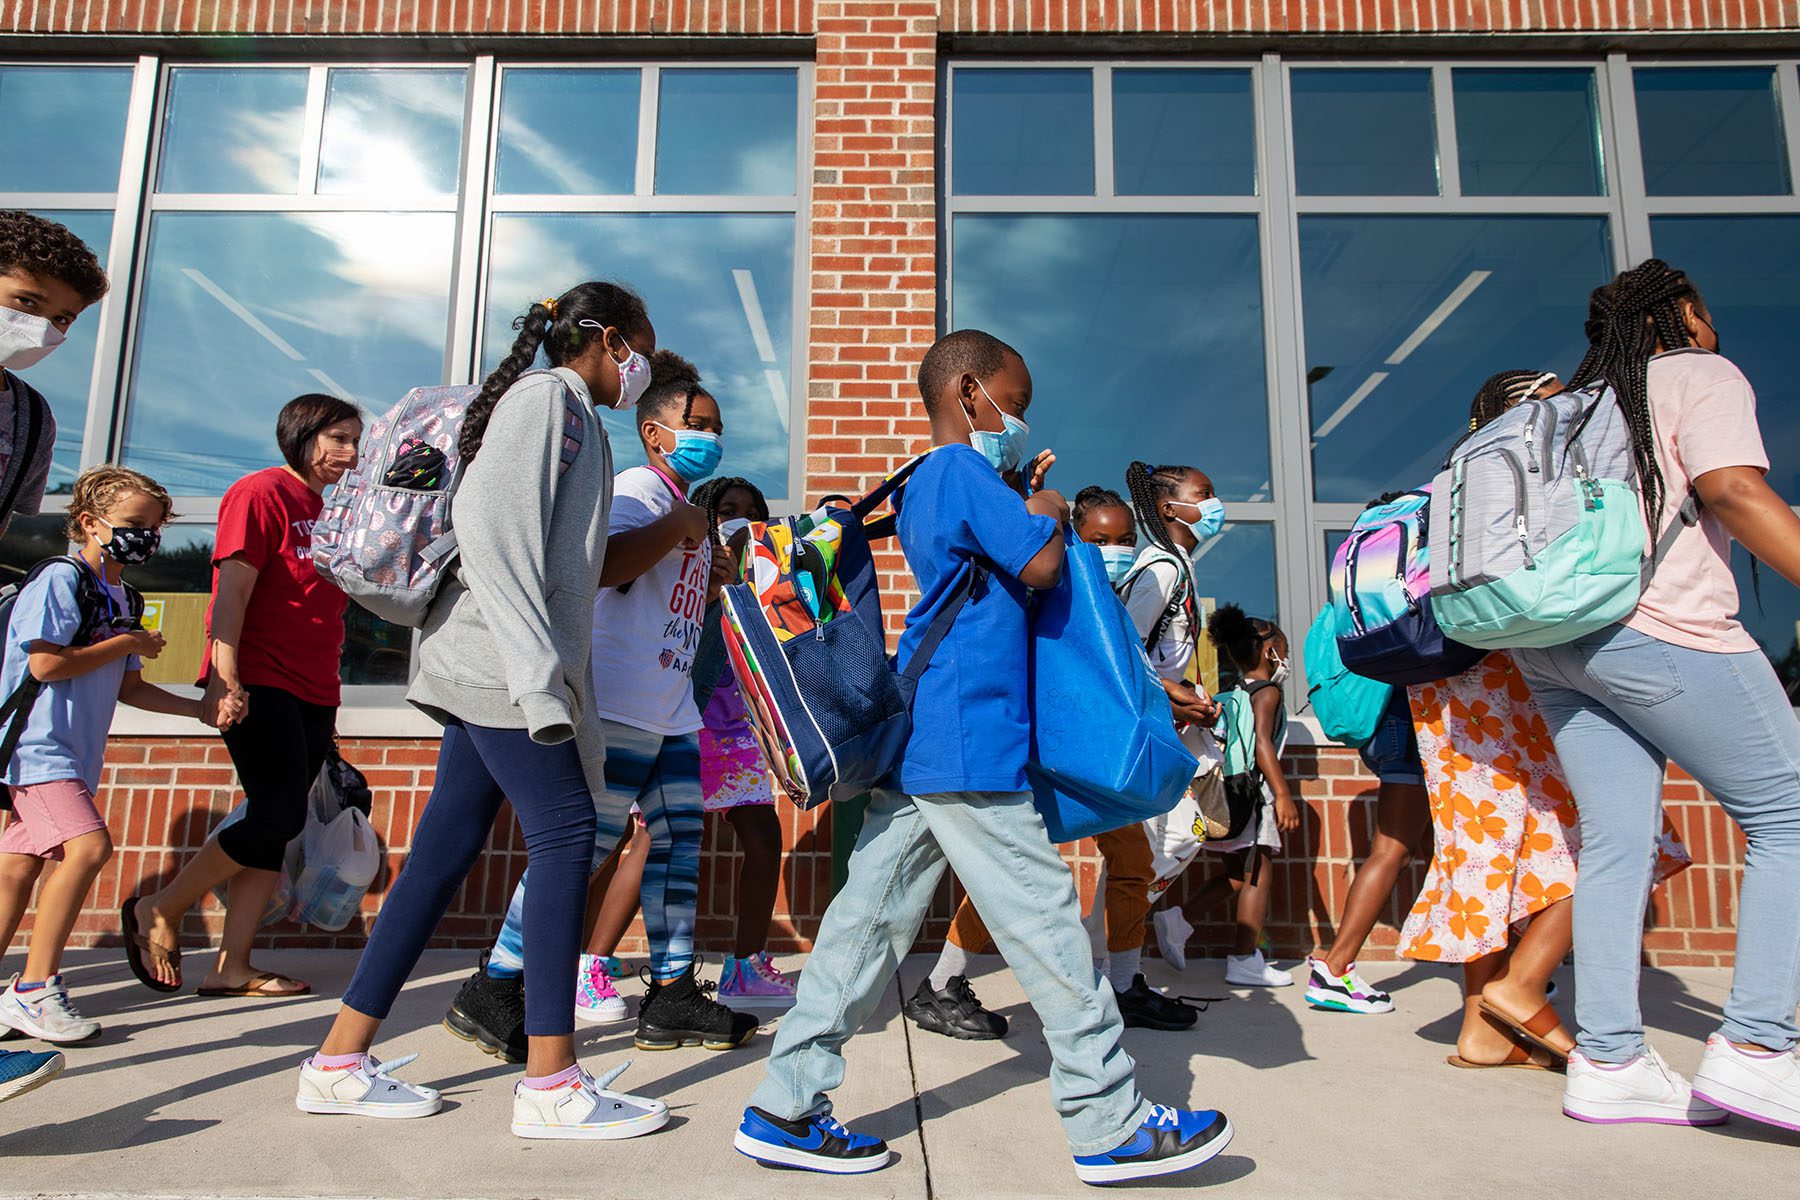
x: 63, y: 127
x: 1711, y: 131
x: 1528, y: 132
x: 1184, y: 133
x: 726, y: 133
x: 1364, y: 132
x: 568, y: 132
x: 233, y: 130
x: 1023, y: 133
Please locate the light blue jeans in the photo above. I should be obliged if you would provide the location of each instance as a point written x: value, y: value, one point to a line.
x: 1620, y: 704
x: 997, y: 844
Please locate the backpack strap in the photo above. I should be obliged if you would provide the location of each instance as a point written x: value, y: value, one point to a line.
x: 939, y: 629
x: 1182, y: 595
x: 884, y: 527
x: 1685, y: 518
x: 19, y: 466
x: 15, y: 710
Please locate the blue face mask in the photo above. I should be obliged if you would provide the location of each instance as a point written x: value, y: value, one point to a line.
x: 696, y: 455
x: 1004, y: 450
x: 1118, y: 560
x: 1210, y: 520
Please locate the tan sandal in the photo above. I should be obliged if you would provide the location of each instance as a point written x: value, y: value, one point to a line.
x: 137, y: 945
x: 1537, y: 1030
x: 258, y: 985
x: 1517, y: 1058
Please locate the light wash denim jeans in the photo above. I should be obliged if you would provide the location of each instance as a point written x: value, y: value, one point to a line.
x: 997, y: 845
x: 1620, y: 704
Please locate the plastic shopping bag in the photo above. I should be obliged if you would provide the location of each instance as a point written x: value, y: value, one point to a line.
x: 283, y: 896
x: 337, y: 856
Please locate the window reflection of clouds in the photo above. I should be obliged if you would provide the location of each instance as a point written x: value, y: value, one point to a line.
x: 704, y: 279
x: 1023, y: 133
x: 392, y: 132
x: 1144, y: 335
x: 233, y: 130
x: 357, y: 303
x: 726, y: 132
x: 66, y: 376
x: 41, y: 104
x: 1411, y: 314
x: 1237, y: 566
x: 568, y: 132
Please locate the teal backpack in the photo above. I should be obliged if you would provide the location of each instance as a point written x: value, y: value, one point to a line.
x: 1236, y: 735
x: 1347, y: 705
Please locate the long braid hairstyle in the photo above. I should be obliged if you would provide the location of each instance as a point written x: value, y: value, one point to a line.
x: 555, y: 327
x: 708, y: 495
x: 1149, y: 487
x: 1500, y: 392
x: 1627, y: 318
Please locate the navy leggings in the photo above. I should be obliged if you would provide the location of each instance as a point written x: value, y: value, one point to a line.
x: 478, y: 769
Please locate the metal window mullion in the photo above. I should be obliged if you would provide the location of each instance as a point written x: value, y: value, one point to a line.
x: 1114, y: 205
x: 1633, y: 238
x: 77, y: 201
x: 105, y: 383
x: 649, y: 106
x: 798, y: 373
x: 1658, y: 206
x: 463, y: 336
x: 313, y: 130
x: 638, y: 204
x: 1443, y: 111
x: 285, y: 202
x: 1487, y: 206
x: 1787, y: 85
x: 1100, y: 79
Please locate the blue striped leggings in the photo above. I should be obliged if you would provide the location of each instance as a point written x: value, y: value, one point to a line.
x: 661, y: 775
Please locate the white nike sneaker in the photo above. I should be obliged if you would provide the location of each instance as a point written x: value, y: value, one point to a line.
x: 1762, y: 1086
x: 1645, y: 1090
x: 1172, y: 933
x: 367, y: 1089
x: 583, y: 1109
x: 1252, y: 970
x: 45, y: 1013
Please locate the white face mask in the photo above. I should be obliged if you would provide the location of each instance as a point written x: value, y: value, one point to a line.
x: 1279, y: 674
x: 634, y: 372
x: 730, y: 529
x: 25, y: 339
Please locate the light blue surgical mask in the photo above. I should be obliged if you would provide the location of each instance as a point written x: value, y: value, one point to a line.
x: 1118, y: 560
x: 1004, y: 450
x: 696, y: 454
x: 1211, y: 517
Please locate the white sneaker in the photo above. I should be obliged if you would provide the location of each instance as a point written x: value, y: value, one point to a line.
x: 1252, y: 970
x: 596, y: 999
x: 367, y: 1089
x: 45, y: 1013
x: 1645, y: 1090
x: 1172, y: 934
x: 1764, y: 1087
x: 1348, y: 992
x: 583, y: 1109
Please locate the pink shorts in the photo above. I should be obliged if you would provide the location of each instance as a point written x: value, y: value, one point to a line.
x: 46, y: 815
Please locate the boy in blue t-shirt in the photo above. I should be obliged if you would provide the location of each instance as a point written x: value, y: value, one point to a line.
x: 961, y: 798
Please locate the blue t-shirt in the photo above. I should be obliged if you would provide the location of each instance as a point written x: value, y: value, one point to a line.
x: 66, y: 735
x: 971, y: 715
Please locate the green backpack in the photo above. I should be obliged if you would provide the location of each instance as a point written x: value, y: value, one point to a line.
x: 1236, y: 734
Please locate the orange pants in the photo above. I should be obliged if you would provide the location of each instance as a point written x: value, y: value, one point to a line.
x: 1128, y: 877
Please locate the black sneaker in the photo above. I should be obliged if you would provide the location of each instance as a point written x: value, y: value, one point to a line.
x: 682, y: 1012
x: 490, y: 1011
x: 953, y: 1012
x: 1144, y: 1008
x: 1169, y: 1140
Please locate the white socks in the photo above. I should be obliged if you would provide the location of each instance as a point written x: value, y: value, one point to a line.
x: 1123, y: 967
x: 952, y: 962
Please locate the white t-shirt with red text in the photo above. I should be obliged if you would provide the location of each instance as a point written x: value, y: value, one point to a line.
x: 646, y: 631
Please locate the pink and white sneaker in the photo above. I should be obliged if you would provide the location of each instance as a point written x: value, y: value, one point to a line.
x: 596, y: 999
x: 755, y: 982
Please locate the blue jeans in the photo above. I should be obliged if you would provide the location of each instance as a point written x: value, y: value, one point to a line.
x: 478, y: 768
x: 1392, y: 755
x: 1620, y: 704
x: 661, y: 775
x: 997, y: 844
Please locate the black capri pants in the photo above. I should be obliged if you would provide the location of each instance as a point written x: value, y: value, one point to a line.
x: 278, y: 751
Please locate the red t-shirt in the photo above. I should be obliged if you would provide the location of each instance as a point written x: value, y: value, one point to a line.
x: 294, y: 624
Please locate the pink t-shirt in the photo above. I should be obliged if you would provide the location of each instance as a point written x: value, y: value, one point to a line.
x: 1705, y: 416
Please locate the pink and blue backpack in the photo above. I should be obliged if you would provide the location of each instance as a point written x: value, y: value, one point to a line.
x: 1381, y: 585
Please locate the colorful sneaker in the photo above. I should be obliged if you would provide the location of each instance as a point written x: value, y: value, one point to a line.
x: 1172, y: 933
x: 1169, y: 1140
x: 583, y: 1110
x: 1348, y: 992
x: 754, y: 982
x: 1762, y: 1085
x: 811, y: 1144
x: 365, y: 1089
x: 1645, y: 1090
x: 45, y: 1013
x: 1253, y: 970
x: 596, y: 999
x: 24, y: 1071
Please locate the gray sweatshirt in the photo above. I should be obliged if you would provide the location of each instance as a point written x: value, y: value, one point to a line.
x: 508, y: 639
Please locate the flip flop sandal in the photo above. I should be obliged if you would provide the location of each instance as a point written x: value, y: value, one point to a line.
x: 1517, y: 1059
x: 255, y: 986
x: 136, y: 945
x: 1536, y: 1030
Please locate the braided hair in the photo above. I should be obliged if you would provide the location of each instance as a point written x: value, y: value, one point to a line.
x: 1627, y: 320
x: 1238, y: 637
x: 1501, y: 392
x: 673, y: 380
x: 1092, y: 497
x: 554, y: 327
x: 708, y: 495
x: 1149, y: 487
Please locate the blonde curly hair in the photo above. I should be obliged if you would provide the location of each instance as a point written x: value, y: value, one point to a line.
x: 97, y: 489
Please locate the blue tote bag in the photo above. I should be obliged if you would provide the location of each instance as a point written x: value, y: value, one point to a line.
x: 1104, y: 748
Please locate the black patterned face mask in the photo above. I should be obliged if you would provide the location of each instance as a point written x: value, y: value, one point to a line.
x: 130, y: 546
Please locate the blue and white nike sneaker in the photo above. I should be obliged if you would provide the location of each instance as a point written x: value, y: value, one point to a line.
x: 811, y: 1144
x: 1169, y: 1140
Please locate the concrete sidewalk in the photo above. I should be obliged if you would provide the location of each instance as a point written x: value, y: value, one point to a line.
x: 188, y: 1097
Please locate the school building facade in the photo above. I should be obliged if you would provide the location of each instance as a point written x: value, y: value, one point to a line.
x: 1282, y: 241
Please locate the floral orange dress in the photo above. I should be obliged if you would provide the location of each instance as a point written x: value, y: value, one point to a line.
x: 1503, y: 818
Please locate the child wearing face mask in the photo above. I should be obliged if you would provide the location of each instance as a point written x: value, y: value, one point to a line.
x: 77, y: 641
x: 647, y: 627
x: 48, y: 276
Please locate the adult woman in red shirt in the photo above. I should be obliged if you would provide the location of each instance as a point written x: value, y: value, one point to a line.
x: 275, y: 633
